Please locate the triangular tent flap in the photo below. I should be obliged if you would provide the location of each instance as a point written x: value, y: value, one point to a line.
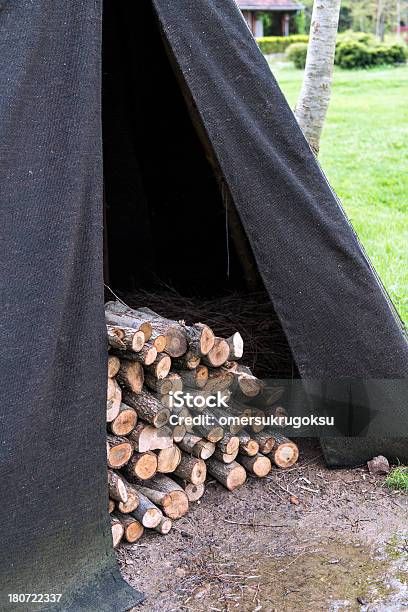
x: 338, y: 320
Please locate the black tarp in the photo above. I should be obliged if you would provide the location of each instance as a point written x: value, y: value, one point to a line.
x: 339, y: 322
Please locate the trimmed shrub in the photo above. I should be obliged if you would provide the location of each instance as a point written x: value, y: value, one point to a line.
x: 296, y: 53
x: 353, y: 55
x: 279, y: 44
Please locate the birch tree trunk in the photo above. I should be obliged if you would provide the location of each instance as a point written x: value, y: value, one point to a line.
x: 314, y: 97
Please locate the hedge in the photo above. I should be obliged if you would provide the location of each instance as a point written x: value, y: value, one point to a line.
x: 353, y: 54
x: 296, y: 53
x: 279, y: 44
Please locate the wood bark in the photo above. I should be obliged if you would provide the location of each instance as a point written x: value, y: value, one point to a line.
x: 147, y: 407
x: 196, y: 378
x: 167, y: 494
x: 200, y: 338
x: 191, y: 469
x: 115, y: 337
x: 147, y: 513
x: 229, y: 443
x: 111, y: 506
x: 131, y: 376
x: 172, y: 382
x: 225, y: 457
x: 176, y: 342
x: 127, y: 318
x: 116, y: 487
x: 218, y: 380
x: 314, y: 98
x: 188, y: 361
x: 231, y: 475
x: 132, y: 529
x: 266, y: 441
x: 179, y: 431
x: 259, y: 465
x: 196, y: 446
x: 247, y: 445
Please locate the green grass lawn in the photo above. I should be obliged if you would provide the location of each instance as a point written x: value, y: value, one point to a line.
x: 364, y: 153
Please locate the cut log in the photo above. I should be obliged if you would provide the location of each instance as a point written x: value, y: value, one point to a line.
x: 131, y: 376
x: 111, y: 506
x: 229, y: 444
x: 164, y: 526
x: 168, y: 459
x: 196, y: 446
x: 248, y: 386
x: 119, y: 451
x: 133, y: 530
x: 258, y: 424
x: 124, y: 422
x: 132, y: 500
x: 113, y: 365
x: 147, y: 407
x: 172, y: 382
x: 145, y: 356
x: 167, y: 494
x: 285, y: 453
x: 158, y: 341
x: 179, y: 431
x: 200, y: 338
x: 259, y: 465
x: 211, y: 431
x: 116, y: 337
x: 113, y: 400
x: 117, y: 531
x: 265, y: 440
x: 147, y: 513
x: 194, y: 492
x: 195, y: 379
x: 188, y: 361
x: 191, y: 469
x: 123, y: 316
x: 134, y: 340
x: 218, y: 354
x: 231, y: 475
x: 160, y: 366
x: 218, y: 380
x: 247, y: 445
x: 116, y: 487
x: 176, y: 342
x: 146, y: 437
x: 141, y: 465
x: 236, y: 346
x: 224, y: 457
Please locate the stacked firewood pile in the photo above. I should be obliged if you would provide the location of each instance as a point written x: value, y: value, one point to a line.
x: 170, y: 388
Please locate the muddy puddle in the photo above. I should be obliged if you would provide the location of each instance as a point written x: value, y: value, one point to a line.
x: 329, y: 575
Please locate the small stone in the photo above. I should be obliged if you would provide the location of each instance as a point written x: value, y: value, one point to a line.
x: 378, y: 465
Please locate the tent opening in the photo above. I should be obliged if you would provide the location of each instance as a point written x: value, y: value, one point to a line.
x: 173, y: 240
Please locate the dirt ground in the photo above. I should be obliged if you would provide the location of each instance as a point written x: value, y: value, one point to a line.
x: 344, y: 547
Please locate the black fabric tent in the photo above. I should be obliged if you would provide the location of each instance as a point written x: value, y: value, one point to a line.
x: 192, y: 120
